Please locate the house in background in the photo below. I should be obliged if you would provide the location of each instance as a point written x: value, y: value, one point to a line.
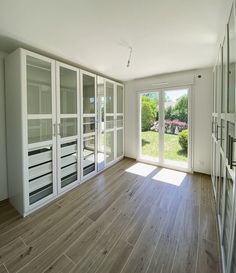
x: 117, y: 137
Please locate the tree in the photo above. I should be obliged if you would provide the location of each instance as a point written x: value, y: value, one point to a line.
x: 149, y: 112
x: 180, y: 110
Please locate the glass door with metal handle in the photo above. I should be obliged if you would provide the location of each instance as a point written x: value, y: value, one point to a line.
x: 67, y: 126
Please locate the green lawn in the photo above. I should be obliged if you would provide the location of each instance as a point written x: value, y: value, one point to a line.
x: 172, y: 149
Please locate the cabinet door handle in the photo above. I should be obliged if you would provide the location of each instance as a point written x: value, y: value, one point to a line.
x: 232, y: 163
x: 59, y: 129
x: 54, y: 129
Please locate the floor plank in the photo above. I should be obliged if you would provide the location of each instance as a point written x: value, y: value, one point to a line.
x: 119, y: 221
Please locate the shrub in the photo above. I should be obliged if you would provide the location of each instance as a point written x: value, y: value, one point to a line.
x: 183, y: 140
x: 149, y: 113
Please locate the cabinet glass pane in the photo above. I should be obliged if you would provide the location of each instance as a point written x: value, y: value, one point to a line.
x: 109, y: 98
x: 119, y: 143
x: 232, y: 54
x: 230, y: 133
x: 228, y: 214
x: 120, y: 99
x: 68, y: 127
x: 219, y: 83
x: 39, y: 91
x: 120, y: 121
x: 214, y: 90
x: 221, y: 188
x: 224, y: 84
x: 110, y: 147
x: 109, y: 122
x: 39, y: 130
x: 40, y: 173
x: 88, y: 155
x: 100, y: 116
x: 88, y: 94
x: 69, y: 155
x: 68, y: 91
x: 88, y: 125
x: 222, y: 134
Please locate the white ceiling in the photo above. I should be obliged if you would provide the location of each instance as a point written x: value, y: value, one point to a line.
x: 166, y: 35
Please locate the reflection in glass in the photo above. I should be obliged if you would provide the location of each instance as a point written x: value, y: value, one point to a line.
x: 110, y: 147
x: 120, y: 99
x: 109, y: 98
x: 109, y: 122
x: 228, y: 214
x: 68, y: 127
x: 120, y: 121
x: 68, y: 91
x: 88, y: 155
x: 88, y: 125
x: 39, y: 130
x: 39, y: 92
x: 88, y: 94
x: 120, y: 143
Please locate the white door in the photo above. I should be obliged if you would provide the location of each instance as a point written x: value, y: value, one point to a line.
x: 68, y: 140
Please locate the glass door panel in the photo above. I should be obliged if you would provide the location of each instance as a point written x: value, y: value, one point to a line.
x: 149, y: 126
x: 225, y: 75
x: 221, y: 189
x: 68, y: 91
x: 176, y: 127
x: 227, y: 215
x: 89, y: 124
x: 88, y: 86
x: 68, y: 127
x: 101, y: 124
x: 120, y: 143
x: 110, y: 151
x: 39, y: 130
x: 68, y: 159
x: 88, y: 155
x: 120, y: 98
x: 109, y: 98
x: 232, y: 59
x: 41, y: 116
x: 39, y: 89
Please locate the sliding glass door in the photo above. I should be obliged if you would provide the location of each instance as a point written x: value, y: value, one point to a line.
x: 164, y: 127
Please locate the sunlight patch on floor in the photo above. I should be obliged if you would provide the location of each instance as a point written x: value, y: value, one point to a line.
x: 170, y: 176
x: 141, y: 169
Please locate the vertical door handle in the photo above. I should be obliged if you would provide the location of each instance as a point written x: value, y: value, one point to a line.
x: 59, y: 129
x: 232, y: 163
x: 54, y: 129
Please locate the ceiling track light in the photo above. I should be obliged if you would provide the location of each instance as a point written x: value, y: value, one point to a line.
x: 130, y: 54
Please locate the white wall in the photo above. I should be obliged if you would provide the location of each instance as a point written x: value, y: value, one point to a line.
x: 3, y: 166
x: 201, y: 112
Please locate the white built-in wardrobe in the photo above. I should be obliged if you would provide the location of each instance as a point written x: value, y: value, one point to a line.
x: 64, y: 125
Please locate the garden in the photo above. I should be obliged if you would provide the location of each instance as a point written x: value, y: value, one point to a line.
x: 175, y: 126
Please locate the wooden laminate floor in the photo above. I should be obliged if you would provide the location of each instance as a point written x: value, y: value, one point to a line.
x: 124, y: 220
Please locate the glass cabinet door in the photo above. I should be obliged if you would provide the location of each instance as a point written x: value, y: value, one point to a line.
x: 89, y: 124
x: 41, y: 117
x: 228, y: 209
x: 231, y: 66
x: 110, y: 121
x: 120, y: 121
x: 101, y: 123
x: 68, y: 129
